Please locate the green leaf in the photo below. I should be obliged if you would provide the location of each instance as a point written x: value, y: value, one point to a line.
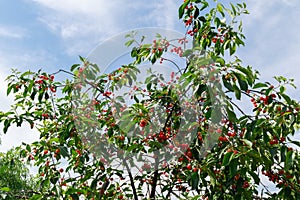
x: 220, y: 9
x: 197, y: 197
x: 128, y: 43
x: 9, y: 88
x: 287, y: 98
x: 296, y: 143
x: 233, y: 167
x: 216, y: 115
x: 73, y: 67
x: 247, y: 142
x: 201, y: 88
x: 205, y: 5
x: 260, y: 122
x: 255, y: 177
x: 212, y: 177
x: 227, y: 158
x: 254, y: 154
x: 227, y: 84
x: 237, y: 92
x: 36, y: 197
x: 241, y: 79
x: 289, y: 160
x: 187, y: 52
x: 260, y: 85
x: 5, y: 189
x: 221, y: 61
x: 282, y: 89
x: 82, y: 59
x: 182, y: 8
x: 231, y: 115
x: 232, y: 48
x: 46, y: 95
x: 64, y: 151
x: 233, y: 9
x: 195, y: 181
x: 196, y: 13
x: 283, y: 151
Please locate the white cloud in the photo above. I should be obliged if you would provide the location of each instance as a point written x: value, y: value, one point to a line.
x: 82, y: 24
x: 272, y: 44
x: 26, y: 59
x: 11, y: 32
x: 290, y: 2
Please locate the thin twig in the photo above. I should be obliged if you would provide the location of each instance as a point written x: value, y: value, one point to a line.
x: 248, y: 116
x: 171, y: 61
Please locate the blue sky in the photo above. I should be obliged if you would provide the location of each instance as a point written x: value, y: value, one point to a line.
x: 50, y: 34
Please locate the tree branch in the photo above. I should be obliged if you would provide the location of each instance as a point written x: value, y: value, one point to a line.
x: 154, y: 180
x: 131, y: 180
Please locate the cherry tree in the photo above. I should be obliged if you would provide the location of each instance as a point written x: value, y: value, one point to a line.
x: 188, y: 135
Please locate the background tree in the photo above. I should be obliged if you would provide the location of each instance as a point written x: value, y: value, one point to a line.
x: 218, y: 150
x: 15, y: 179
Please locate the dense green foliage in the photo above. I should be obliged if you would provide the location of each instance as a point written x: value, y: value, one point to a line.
x: 15, y: 179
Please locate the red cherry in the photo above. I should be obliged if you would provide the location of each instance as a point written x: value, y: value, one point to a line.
x: 180, y: 159
x: 189, y: 167
x: 61, y: 170
x: 143, y: 123
x: 189, y: 154
x: 273, y: 141
x: 246, y: 185
x: 219, y: 130
x: 282, y: 139
x: 161, y: 136
x: 200, y: 138
x: 223, y: 139
x: 237, y: 177
x: 52, y: 89
x: 122, y: 138
x: 57, y: 151
x: 45, y: 151
x: 279, y: 108
x: 261, y: 98
x: 125, y: 70
x: 231, y: 134
x: 78, y: 151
